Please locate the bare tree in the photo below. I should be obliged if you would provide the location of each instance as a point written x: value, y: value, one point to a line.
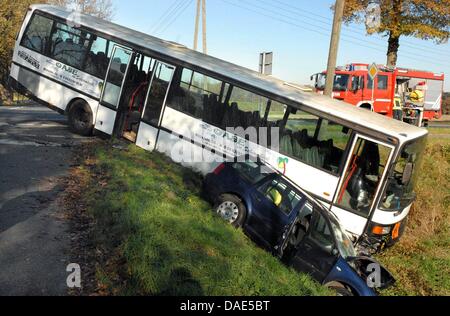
x: 103, y: 9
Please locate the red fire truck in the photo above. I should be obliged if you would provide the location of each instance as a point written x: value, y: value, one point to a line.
x: 393, y: 89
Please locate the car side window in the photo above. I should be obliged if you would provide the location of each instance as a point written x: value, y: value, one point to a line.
x: 281, y: 195
x: 321, y: 232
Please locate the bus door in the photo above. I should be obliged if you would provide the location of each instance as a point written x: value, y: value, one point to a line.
x: 112, y: 89
x: 154, y: 105
x: 361, y: 182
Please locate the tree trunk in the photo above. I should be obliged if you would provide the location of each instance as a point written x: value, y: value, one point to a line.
x: 393, y: 45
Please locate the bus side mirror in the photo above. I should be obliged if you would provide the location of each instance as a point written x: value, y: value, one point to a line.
x: 407, y: 173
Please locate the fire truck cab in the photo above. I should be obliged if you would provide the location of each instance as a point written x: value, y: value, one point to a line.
x: 417, y: 93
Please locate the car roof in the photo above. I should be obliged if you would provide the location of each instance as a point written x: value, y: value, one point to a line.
x: 316, y: 102
x: 276, y: 172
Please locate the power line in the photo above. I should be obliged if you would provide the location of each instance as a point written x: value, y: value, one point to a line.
x: 366, y: 39
x: 169, y: 16
x: 359, y: 43
x: 404, y: 42
x: 181, y: 11
x: 158, y: 22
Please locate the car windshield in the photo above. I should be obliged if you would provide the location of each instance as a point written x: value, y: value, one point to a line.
x: 344, y: 244
x: 340, y: 82
x: 400, y: 188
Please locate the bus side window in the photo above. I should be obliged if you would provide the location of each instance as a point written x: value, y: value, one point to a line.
x: 69, y: 45
x: 37, y: 34
x: 96, y: 61
x: 246, y: 109
x: 317, y: 142
x: 198, y: 95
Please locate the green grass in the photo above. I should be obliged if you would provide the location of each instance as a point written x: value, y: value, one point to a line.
x: 421, y: 261
x: 165, y: 239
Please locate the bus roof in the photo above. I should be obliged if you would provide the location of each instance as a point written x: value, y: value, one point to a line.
x: 354, y: 116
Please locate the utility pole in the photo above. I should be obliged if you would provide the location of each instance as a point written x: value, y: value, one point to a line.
x: 205, y: 50
x: 197, y: 18
x: 334, y: 45
x: 201, y: 5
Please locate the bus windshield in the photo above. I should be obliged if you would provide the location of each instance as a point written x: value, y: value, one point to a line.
x: 403, y: 178
x: 340, y: 82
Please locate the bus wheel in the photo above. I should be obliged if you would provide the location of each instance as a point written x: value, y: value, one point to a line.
x: 231, y: 209
x: 80, y: 118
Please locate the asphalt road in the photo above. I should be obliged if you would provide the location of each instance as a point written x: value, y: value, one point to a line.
x: 35, y: 153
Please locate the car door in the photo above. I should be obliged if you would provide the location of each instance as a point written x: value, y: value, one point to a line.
x: 274, y: 204
x: 112, y: 89
x: 317, y: 253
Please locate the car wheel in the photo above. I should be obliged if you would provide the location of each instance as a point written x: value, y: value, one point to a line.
x: 231, y: 209
x: 340, y: 289
x: 80, y: 118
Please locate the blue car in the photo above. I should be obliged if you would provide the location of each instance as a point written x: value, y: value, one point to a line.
x: 292, y: 225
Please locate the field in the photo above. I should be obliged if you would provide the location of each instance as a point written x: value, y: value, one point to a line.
x: 161, y: 237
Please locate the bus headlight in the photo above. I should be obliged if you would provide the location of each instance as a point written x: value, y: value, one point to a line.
x: 381, y: 230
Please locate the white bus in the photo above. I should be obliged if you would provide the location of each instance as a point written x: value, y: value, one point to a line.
x: 112, y: 80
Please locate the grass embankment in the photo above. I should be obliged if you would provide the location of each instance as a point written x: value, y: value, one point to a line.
x: 163, y: 238
x: 421, y: 261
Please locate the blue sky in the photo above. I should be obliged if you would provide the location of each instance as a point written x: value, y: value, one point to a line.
x: 297, y: 31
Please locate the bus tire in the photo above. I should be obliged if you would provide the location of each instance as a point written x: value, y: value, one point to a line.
x: 232, y: 209
x: 81, y: 120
